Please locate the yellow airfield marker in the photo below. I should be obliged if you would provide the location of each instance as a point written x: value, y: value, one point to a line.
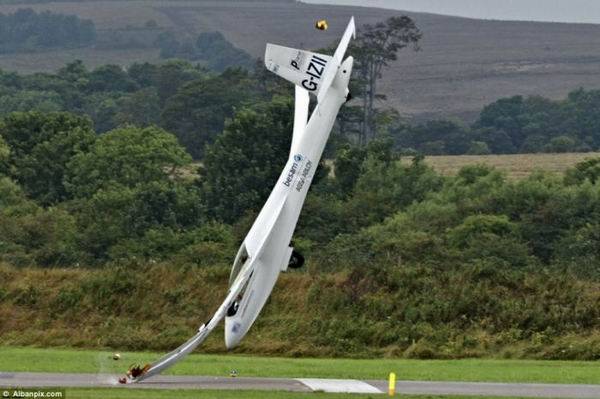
x: 392, y: 386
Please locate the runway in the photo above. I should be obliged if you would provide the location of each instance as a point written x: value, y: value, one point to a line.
x: 26, y: 380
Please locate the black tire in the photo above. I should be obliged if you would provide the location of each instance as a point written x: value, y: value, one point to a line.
x: 296, y: 260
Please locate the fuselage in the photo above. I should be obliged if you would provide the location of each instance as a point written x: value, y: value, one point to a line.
x: 266, y: 248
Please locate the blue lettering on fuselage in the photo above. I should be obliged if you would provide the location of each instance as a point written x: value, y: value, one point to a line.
x: 291, y: 174
x: 293, y: 170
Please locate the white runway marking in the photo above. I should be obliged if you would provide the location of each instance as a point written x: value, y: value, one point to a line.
x: 339, y: 386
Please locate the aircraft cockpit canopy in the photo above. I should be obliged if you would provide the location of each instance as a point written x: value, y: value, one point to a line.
x: 240, y: 260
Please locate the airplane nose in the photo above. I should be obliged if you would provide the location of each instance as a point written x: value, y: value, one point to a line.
x: 233, y: 334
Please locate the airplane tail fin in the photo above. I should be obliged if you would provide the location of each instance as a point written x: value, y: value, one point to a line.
x: 312, y: 71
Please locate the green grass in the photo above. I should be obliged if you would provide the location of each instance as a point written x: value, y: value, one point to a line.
x: 198, y: 394
x: 490, y: 370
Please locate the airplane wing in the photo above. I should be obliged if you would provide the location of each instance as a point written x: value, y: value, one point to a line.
x: 173, y: 357
x: 235, y: 290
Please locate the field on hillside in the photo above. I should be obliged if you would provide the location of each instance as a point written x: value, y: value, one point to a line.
x: 515, y: 166
x: 463, y: 65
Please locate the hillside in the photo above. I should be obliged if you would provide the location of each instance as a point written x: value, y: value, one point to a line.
x: 464, y: 63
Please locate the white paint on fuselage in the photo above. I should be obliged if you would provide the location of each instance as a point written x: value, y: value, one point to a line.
x: 269, y: 238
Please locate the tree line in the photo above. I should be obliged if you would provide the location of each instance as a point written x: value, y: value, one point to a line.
x: 69, y: 196
x: 209, y: 48
x: 193, y: 103
x: 26, y: 30
x: 513, y: 125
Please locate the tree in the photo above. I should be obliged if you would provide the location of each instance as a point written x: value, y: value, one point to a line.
x: 128, y: 183
x: 219, y: 53
x: 489, y: 237
x: 126, y: 156
x: 4, y: 156
x: 172, y: 75
x: 197, y: 113
x: 585, y: 170
x: 245, y: 161
x: 141, y: 108
x: 386, y: 186
x: 34, y: 236
x: 347, y: 167
x: 507, y: 123
x: 478, y: 148
x: 102, y: 107
x: 580, y: 249
x: 436, y: 137
x: 580, y: 113
x: 118, y: 214
x: 144, y: 74
x: 26, y: 30
x: 30, y: 100
x: 561, y: 144
x: 110, y: 78
x: 168, y: 44
x: 378, y: 45
x: 41, y: 146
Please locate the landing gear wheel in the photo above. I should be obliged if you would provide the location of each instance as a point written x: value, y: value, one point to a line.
x: 296, y: 260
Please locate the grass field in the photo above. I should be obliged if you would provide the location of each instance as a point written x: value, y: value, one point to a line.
x: 69, y: 360
x: 516, y: 166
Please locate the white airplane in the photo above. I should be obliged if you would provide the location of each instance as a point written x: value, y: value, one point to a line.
x: 266, y: 250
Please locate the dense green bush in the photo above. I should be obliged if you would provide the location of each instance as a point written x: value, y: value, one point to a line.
x: 40, y: 146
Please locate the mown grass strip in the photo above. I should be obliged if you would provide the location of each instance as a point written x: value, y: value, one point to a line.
x: 489, y: 370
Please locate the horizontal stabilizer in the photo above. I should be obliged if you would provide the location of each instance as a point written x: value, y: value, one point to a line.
x: 302, y: 68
